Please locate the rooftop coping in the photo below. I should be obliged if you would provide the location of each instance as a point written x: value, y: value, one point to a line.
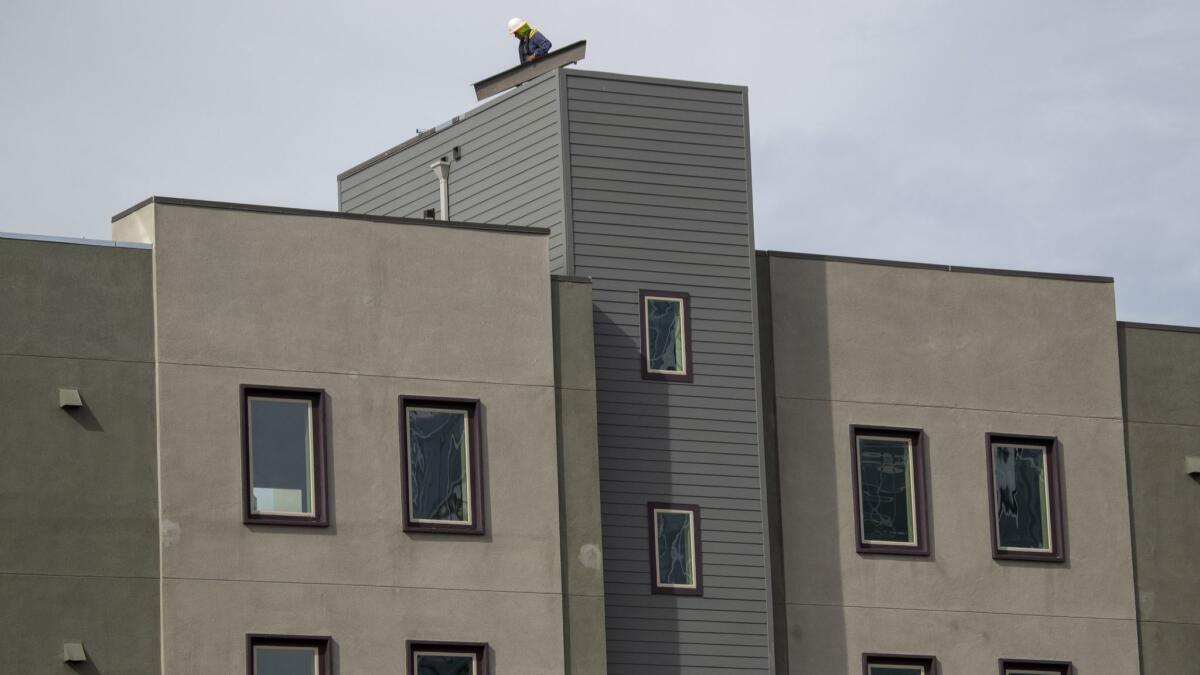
x: 316, y: 213
x: 74, y: 240
x: 941, y: 268
x: 1159, y: 326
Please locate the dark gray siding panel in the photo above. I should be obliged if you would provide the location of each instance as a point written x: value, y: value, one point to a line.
x: 511, y: 171
x: 659, y: 194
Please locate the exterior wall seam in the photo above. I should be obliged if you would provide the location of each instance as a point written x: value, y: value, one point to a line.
x: 962, y: 611
x: 74, y: 358
x: 355, y: 374
x: 953, y: 407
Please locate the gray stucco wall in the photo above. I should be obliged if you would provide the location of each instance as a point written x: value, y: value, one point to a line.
x: 78, y: 493
x: 579, y: 476
x: 958, y: 355
x: 510, y: 172
x: 660, y: 200
x: 368, y: 311
x: 1160, y: 370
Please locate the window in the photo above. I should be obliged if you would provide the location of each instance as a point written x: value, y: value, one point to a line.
x: 666, y: 336
x: 288, y: 655
x: 1024, y: 496
x: 283, y: 456
x: 890, y: 664
x: 888, y: 472
x: 447, y: 658
x: 1010, y: 667
x: 440, y: 446
x: 675, y: 548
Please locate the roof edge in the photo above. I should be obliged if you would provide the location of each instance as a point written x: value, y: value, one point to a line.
x: 1159, y: 326
x: 107, y: 243
x: 667, y: 81
x: 317, y: 213
x: 940, y: 268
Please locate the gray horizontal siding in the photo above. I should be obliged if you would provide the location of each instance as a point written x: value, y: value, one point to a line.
x: 659, y: 194
x: 511, y: 171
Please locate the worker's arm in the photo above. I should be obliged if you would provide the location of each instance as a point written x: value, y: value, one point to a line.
x: 539, y: 46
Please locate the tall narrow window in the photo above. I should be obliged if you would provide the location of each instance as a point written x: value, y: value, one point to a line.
x: 1025, y: 499
x: 889, y: 490
x: 447, y: 658
x: 1012, y: 667
x: 441, y: 443
x: 666, y: 336
x: 288, y: 655
x: 675, y: 548
x: 892, y: 664
x: 283, y: 456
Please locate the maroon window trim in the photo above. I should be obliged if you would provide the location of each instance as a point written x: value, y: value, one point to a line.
x: 687, y: 335
x: 1054, y: 483
x: 699, y: 555
x: 920, y: 498
x: 929, y: 663
x: 477, y: 649
x: 1059, y: 667
x: 474, y: 411
x: 320, y: 426
x: 320, y: 642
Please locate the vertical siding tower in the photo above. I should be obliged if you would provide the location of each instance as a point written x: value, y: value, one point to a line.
x: 645, y: 185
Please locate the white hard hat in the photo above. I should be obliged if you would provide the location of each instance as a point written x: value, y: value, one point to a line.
x: 515, y: 23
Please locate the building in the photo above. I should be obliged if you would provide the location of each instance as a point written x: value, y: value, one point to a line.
x: 582, y: 426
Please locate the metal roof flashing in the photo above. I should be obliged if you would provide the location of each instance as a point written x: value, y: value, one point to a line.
x: 940, y: 268
x: 337, y: 215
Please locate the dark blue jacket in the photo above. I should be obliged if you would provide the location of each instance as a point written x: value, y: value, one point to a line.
x: 535, y: 44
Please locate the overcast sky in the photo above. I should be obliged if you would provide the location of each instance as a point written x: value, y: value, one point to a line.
x: 1043, y: 135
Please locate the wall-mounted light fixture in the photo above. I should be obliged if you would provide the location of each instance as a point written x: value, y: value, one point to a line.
x: 69, y: 398
x: 73, y: 652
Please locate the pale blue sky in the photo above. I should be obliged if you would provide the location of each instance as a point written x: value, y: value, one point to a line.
x: 1053, y: 136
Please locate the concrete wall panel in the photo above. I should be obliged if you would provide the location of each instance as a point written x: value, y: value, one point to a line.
x: 884, y: 334
x: 958, y: 355
x: 116, y: 619
x: 817, y: 516
x: 75, y: 300
x: 322, y: 294
x: 78, y: 489
x: 1161, y: 378
x: 207, y: 622
x: 202, y: 502
x: 963, y: 642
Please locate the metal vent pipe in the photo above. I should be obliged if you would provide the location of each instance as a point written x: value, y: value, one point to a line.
x: 441, y: 169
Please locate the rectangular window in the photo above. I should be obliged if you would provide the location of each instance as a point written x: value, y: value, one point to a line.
x: 288, y: 655
x: 1025, y: 499
x: 888, y: 473
x: 1011, y: 667
x: 283, y: 456
x: 440, y: 446
x: 666, y: 336
x: 675, y: 548
x: 447, y: 658
x: 894, y: 664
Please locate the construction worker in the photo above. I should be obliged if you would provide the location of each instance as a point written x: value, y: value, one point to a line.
x: 533, y: 44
